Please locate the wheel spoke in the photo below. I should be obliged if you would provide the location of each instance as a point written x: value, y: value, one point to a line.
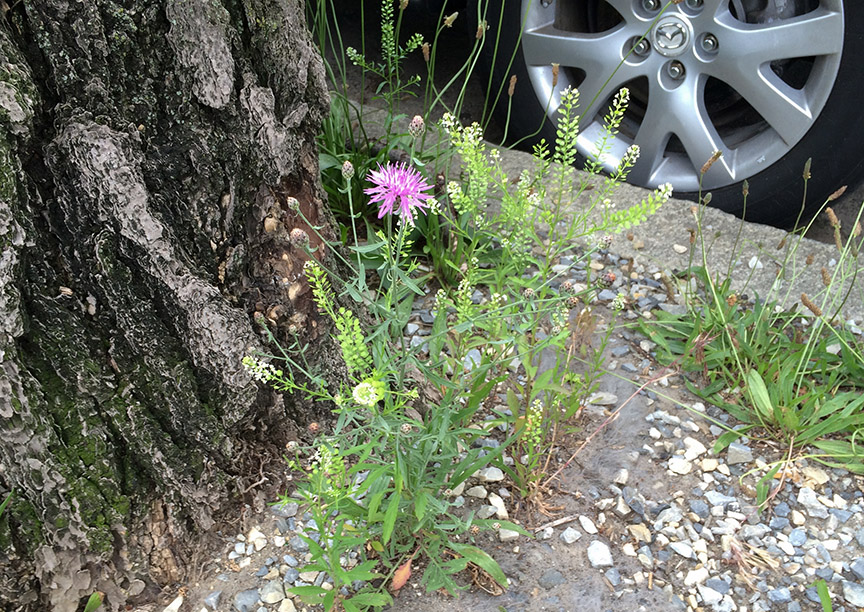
x: 652, y: 138
x: 784, y: 108
x: 814, y: 34
x: 696, y: 131
x: 590, y: 52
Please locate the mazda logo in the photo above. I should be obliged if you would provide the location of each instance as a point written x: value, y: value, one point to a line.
x: 671, y: 36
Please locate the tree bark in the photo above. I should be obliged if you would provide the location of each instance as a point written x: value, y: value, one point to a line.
x: 149, y: 152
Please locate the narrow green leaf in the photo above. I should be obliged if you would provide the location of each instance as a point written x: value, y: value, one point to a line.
x: 725, y: 440
x: 759, y: 395
x: 824, y: 595
x: 481, y: 558
x: 5, y: 502
x: 420, y: 502
x: 93, y: 602
x: 390, y: 517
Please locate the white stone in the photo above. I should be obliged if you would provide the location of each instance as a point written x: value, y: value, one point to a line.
x: 680, y: 248
x: 287, y: 606
x: 570, y: 535
x: 696, y: 576
x: 797, y: 518
x: 640, y: 532
x: 272, y: 592
x: 602, y: 398
x: 174, y: 606
x: 694, y: 448
x: 490, y: 474
x: 477, y: 491
x: 679, y: 465
x: 621, y: 477
x: 709, y: 464
x: 496, y: 501
x: 683, y: 549
x: 599, y: 554
x: 507, y: 535
x: 309, y: 576
x: 709, y: 596
x: 588, y: 525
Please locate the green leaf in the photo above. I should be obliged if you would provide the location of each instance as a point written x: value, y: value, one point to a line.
x: 390, y: 517
x: 371, y: 599
x: 93, y: 602
x: 328, y: 600
x: 725, y: 440
x: 481, y: 558
x: 824, y: 595
x: 309, y: 594
x: 326, y: 161
x: 759, y: 395
x: 374, y: 504
x: 763, y: 487
x: 420, y: 502
x: 5, y: 502
x: 363, y: 571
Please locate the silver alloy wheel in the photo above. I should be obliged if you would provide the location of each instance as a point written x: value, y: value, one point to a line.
x: 696, y: 49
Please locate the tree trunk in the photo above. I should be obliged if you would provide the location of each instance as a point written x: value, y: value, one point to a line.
x: 149, y: 152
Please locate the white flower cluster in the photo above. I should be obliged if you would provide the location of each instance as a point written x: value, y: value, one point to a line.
x: 366, y: 394
x: 630, y: 157
x: 261, y: 370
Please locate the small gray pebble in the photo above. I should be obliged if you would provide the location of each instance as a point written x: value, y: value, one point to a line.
x: 298, y: 544
x: 782, y: 509
x: 797, y: 537
x: 246, y: 601
x: 212, y: 600
x: 778, y: 523
x: 285, y: 510
x: 551, y: 578
x: 781, y: 595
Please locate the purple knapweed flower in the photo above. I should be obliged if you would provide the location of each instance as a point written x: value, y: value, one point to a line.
x: 399, y: 188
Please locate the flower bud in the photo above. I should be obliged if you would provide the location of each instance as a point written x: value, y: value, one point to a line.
x: 347, y: 170
x: 298, y: 238
x: 417, y: 126
x: 448, y: 21
x: 512, y: 86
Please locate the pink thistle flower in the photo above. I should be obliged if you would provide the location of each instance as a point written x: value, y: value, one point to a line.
x: 399, y: 188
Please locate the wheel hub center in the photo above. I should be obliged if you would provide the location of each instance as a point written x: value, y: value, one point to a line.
x: 672, y: 36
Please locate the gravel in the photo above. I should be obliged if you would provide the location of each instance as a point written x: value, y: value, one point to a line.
x: 688, y: 536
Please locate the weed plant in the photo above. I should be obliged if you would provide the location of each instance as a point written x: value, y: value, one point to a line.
x: 792, y: 375
x: 380, y: 481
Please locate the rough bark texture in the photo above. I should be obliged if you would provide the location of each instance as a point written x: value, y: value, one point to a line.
x: 142, y: 147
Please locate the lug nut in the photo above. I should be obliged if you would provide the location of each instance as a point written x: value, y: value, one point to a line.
x: 694, y: 4
x: 642, y: 48
x: 675, y: 70
x: 710, y: 43
x: 651, y: 5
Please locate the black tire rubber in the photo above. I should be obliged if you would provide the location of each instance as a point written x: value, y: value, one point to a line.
x: 835, y: 142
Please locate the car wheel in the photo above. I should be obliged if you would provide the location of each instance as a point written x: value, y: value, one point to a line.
x: 769, y: 83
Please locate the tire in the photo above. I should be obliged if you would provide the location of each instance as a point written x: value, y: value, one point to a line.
x: 778, y: 114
